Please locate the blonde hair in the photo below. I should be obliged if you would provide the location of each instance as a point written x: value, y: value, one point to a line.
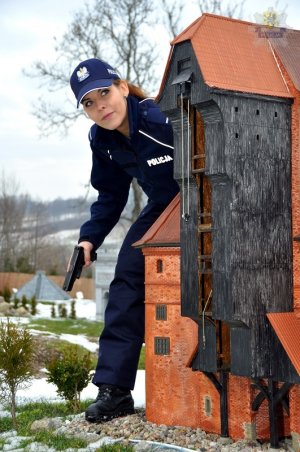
x: 133, y: 89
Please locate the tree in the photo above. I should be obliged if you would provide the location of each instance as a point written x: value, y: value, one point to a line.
x: 218, y: 7
x: 107, y: 29
x: 53, y: 313
x: 25, y: 225
x: 172, y: 17
x: 36, y: 231
x: 122, y: 32
x: 111, y: 30
x: 73, y: 310
x: 70, y: 372
x: 16, y: 361
x: 12, y: 215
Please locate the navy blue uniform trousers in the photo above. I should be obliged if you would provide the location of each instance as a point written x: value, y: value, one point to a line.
x: 124, y: 323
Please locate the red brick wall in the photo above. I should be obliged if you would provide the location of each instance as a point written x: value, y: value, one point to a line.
x: 240, y: 415
x: 295, y: 183
x: 172, y: 388
x: 175, y: 395
x: 295, y: 409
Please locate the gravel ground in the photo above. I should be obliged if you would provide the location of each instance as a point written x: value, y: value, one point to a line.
x: 135, y: 430
x: 137, y: 427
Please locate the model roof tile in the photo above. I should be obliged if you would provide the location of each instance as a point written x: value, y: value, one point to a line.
x: 288, y: 50
x: 233, y: 55
x: 166, y: 229
x: 287, y: 327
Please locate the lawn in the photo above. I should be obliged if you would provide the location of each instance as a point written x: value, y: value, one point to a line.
x: 45, y: 344
x: 91, y: 329
x: 67, y: 326
x: 37, y: 410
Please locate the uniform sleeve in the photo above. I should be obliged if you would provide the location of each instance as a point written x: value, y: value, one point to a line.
x: 113, y: 186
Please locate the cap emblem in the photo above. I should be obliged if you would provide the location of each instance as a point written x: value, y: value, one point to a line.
x: 112, y: 72
x: 82, y: 74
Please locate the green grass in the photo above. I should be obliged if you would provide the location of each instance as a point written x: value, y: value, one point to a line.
x: 5, y: 424
x: 39, y: 410
x: 89, y: 328
x: 116, y: 448
x: 46, y: 303
x: 68, y: 326
x: 141, y: 365
x: 59, y: 442
x: 59, y: 345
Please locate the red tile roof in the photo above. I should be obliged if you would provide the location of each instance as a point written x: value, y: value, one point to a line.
x: 233, y: 55
x: 287, y: 328
x: 166, y: 229
x: 288, y: 50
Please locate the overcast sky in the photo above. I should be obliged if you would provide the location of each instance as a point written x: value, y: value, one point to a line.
x: 47, y: 168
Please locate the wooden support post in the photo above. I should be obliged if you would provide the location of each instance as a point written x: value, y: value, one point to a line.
x: 221, y: 386
x: 274, y: 436
x: 274, y: 396
x: 224, y: 404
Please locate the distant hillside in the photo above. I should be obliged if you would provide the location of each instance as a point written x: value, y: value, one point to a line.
x: 59, y: 216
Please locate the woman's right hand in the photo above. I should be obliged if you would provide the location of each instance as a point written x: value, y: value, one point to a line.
x: 87, y: 247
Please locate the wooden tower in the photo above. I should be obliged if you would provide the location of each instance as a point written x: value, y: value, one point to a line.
x: 231, y: 91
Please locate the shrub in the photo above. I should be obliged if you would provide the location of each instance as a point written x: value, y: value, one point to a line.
x: 62, y: 310
x: 24, y: 301
x: 16, y: 361
x: 6, y: 293
x: 73, y: 310
x: 53, y: 313
x: 33, y: 305
x: 70, y: 372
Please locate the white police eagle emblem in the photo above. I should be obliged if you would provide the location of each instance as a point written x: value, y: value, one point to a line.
x: 82, y: 74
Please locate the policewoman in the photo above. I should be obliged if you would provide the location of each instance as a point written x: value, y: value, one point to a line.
x: 130, y: 138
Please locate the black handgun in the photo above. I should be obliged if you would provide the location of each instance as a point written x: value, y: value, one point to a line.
x: 75, y: 267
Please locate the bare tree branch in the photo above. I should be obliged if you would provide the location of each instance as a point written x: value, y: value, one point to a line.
x: 116, y: 31
x: 173, y: 12
x: 217, y: 7
x: 50, y: 116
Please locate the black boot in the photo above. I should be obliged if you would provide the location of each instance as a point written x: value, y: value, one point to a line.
x: 112, y: 401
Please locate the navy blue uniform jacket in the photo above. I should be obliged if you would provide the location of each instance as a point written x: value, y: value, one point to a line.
x: 146, y: 155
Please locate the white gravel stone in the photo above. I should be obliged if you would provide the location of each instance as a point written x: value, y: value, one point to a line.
x: 143, y: 435
x: 8, y: 434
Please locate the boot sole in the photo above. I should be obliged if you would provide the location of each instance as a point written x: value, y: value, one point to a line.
x: 109, y: 416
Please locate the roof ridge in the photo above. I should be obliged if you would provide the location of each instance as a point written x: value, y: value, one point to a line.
x: 159, y: 222
x: 202, y: 18
x: 199, y: 19
x: 231, y: 19
x: 247, y: 22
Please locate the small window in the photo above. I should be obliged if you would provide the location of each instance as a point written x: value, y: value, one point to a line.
x: 183, y: 65
x: 257, y: 112
x: 257, y: 137
x: 207, y: 406
x: 161, y: 312
x: 162, y: 345
x: 236, y: 135
x: 236, y: 109
x: 275, y: 114
x: 159, y: 266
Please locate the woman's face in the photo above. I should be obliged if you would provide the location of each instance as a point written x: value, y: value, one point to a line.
x: 107, y: 107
